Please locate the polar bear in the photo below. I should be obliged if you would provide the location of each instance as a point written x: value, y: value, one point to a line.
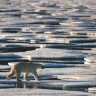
x: 24, y: 67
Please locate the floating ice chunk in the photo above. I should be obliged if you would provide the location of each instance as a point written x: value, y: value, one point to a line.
x: 92, y: 90
x: 91, y: 59
x: 53, y: 54
x: 70, y: 77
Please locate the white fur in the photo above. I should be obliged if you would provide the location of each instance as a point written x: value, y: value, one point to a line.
x: 23, y: 67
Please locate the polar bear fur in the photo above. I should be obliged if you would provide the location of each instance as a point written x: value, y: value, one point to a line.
x: 24, y: 67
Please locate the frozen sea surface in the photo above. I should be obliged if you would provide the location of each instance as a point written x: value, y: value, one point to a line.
x: 60, y: 35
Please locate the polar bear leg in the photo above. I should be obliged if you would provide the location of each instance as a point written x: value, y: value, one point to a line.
x: 12, y: 72
x: 35, y: 75
x: 25, y: 76
x: 18, y: 73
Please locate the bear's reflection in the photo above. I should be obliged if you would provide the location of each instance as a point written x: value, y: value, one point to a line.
x: 26, y: 85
